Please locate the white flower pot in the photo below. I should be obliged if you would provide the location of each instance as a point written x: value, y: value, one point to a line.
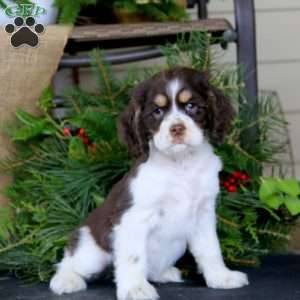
x: 47, y: 14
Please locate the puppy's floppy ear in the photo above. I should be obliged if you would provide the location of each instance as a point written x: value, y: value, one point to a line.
x: 220, y: 115
x: 131, y: 128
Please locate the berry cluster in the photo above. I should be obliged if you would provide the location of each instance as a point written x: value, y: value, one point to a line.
x: 235, y: 180
x: 81, y: 134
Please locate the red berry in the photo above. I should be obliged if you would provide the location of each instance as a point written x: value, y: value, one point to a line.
x: 86, y: 140
x: 226, y: 184
x: 67, y: 131
x: 243, y: 177
x: 236, y: 174
x: 81, y: 132
x: 232, y: 189
x: 232, y: 179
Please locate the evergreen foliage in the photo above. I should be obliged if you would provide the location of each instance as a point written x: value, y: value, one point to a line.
x: 69, y: 10
x: 63, y: 169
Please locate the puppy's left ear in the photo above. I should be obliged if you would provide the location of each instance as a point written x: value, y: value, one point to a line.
x: 221, y: 115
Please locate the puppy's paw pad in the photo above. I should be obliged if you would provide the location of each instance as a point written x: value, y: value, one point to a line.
x: 144, y: 291
x: 171, y: 275
x: 228, y: 280
x: 67, y: 283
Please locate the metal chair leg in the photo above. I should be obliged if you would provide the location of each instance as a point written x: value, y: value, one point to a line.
x: 202, y: 9
x: 246, y: 55
x: 246, y: 33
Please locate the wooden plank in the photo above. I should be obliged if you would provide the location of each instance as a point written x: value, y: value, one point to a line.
x: 128, y: 31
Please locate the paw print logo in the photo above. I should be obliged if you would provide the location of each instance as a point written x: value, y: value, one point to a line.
x: 24, y: 33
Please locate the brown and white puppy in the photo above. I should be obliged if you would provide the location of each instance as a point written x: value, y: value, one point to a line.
x: 166, y: 203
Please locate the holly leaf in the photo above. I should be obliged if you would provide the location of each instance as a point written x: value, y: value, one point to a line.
x: 293, y: 205
x: 289, y: 186
x: 267, y: 189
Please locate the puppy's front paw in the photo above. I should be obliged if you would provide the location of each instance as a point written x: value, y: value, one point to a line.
x: 227, y: 279
x: 67, y: 282
x: 142, y: 291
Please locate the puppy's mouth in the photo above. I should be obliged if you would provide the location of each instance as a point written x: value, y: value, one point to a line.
x: 177, y: 148
x: 178, y: 144
x: 178, y: 141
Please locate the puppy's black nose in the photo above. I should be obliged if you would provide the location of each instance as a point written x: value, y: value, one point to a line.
x: 177, y: 130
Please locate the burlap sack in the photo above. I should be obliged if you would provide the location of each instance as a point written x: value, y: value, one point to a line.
x: 24, y: 73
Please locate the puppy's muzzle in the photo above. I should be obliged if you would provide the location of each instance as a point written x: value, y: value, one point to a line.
x: 177, y: 131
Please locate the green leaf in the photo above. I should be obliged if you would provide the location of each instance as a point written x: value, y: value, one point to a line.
x: 30, y: 131
x: 289, y: 186
x: 267, y: 189
x: 77, y: 149
x: 98, y: 199
x: 25, y: 117
x: 6, y: 225
x: 275, y: 201
x: 69, y: 10
x: 46, y: 99
x: 293, y: 205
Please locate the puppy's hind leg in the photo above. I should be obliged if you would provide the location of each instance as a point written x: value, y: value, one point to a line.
x: 87, y: 260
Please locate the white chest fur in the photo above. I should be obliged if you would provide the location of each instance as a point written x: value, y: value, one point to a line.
x: 170, y: 193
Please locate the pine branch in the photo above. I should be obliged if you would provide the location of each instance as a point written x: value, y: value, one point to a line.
x: 227, y: 222
x: 275, y: 234
x: 242, y: 262
x: 21, y: 242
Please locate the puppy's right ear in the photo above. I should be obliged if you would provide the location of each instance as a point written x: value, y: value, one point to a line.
x: 131, y: 129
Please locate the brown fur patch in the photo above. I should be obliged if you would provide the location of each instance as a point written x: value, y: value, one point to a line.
x: 102, y: 220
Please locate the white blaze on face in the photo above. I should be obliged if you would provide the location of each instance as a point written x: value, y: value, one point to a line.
x: 163, y: 139
x: 173, y: 88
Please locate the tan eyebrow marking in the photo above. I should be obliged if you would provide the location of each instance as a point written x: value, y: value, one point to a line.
x: 185, y: 96
x: 160, y: 100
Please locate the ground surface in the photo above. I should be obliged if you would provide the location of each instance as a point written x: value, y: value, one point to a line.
x: 278, y: 278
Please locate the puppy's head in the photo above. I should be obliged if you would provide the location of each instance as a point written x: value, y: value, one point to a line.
x: 174, y: 110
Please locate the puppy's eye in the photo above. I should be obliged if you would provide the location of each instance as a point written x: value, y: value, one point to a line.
x: 191, y: 108
x: 158, y: 113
